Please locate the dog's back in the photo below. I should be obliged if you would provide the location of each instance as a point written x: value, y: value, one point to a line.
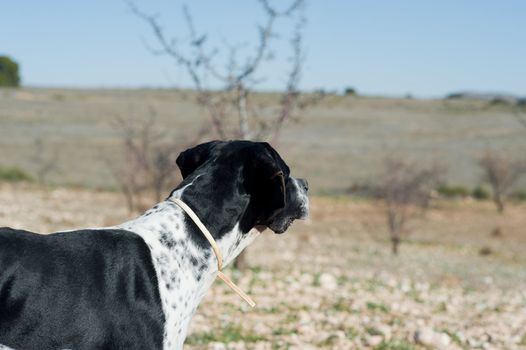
x: 91, y: 288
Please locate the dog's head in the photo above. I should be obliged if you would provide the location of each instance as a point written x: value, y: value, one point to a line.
x: 251, y: 173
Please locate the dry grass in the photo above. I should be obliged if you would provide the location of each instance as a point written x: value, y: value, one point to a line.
x: 339, y: 141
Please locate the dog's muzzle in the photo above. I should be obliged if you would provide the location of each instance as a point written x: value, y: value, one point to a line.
x: 297, y: 206
x: 303, y: 188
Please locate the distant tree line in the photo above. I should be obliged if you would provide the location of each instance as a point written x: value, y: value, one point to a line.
x: 9, y: 72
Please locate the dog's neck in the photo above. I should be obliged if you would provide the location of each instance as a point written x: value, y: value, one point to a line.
x: 185, y: 263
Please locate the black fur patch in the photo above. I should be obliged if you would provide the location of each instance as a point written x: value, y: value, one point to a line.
x: 97, y: 289
x: 166, y: 239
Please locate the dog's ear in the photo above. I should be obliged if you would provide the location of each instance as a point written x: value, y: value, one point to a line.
x: 270, y: 175
x: 193, y: 158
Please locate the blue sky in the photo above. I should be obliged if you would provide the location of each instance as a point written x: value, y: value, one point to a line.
x: 422, y: 47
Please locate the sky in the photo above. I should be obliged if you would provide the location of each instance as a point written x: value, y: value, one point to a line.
x: 427, y: 48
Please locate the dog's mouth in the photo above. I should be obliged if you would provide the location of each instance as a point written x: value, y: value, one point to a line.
x: 285, y: 226
x: 280, y: 226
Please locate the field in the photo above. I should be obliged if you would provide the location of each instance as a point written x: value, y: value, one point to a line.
x: 331, y: 281
x: 339, y: 142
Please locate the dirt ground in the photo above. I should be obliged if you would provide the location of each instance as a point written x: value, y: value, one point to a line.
x: 331, y: 282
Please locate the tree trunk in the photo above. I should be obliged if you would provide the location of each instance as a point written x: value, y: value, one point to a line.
x: 128, y: 195
x: 240, y: 262
x: 244, y: 129
x: 395, y: 240
x: 499, y: 203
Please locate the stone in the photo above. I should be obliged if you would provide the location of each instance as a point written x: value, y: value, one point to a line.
x: 374, y: 340
x: 217, y: 346
x: 328, y: 281
x: 428, y: 337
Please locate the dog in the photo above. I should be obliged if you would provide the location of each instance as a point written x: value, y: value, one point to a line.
x: 136, y: 285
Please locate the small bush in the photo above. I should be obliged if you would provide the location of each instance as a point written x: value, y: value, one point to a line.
x: 377, y: 306
x: 9, y: 72
x: 496, y: 232
x: 349, y: 91
x: 451, y: 191
x: 14, y: 174
x: 484, y: 251
x: 363, y: 190
x: 455, y: 96
x: 481, y: 192
x: 229, y: 333
x: 520, y: 195
x: 499, y: 101
x: 394, y: 345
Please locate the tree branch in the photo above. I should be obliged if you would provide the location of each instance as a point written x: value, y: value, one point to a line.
x: 237, y: 79
x: 519, y: 116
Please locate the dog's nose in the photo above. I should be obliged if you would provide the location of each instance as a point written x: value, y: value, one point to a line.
x: 304, y: 184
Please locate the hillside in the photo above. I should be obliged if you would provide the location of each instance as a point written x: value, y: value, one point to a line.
x: 339, y: 142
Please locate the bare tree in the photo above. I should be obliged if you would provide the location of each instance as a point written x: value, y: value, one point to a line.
x: 502, y: 173
x: 521, y: 117
x: 404, y: 187
x: 232, y: 104
x: 232, y: 110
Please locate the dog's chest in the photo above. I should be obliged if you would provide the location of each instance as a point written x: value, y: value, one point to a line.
x: 180, y: 266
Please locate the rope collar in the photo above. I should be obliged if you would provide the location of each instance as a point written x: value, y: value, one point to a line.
x: 216, y: 250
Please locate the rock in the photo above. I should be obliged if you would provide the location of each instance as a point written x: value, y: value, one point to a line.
x: 443, y: 341
x: 340, y: 334
x: 262, y: 346
x: 428, y: 337
x: 306, y: 279
x: 304, y: 317
x: 216, y: 346
x: 424, y: 336
x: 385, y: 330
x: 303, y: 346
x: 238, y: 345
x: 374, y: 340
x: 305, y: 330
x: 328, y: 281
x: 474, y: 343
x: 405, y: 286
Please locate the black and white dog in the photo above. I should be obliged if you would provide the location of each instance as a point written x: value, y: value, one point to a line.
x: 136, y: 285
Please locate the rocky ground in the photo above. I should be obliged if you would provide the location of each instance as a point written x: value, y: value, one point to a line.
x: 331, y: 282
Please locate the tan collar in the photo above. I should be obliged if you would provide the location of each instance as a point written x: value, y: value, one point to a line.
x: 216, y: 250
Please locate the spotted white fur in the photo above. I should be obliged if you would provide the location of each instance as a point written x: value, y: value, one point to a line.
x: 184, y: 271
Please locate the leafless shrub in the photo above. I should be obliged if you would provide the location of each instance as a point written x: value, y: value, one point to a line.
x: 496, y: 232
x: 502, y: 173
x: 485, y: 250
x: 149, y: 165
x: 44, y: 159
x: 405, y: 186
x: 520, y: 115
